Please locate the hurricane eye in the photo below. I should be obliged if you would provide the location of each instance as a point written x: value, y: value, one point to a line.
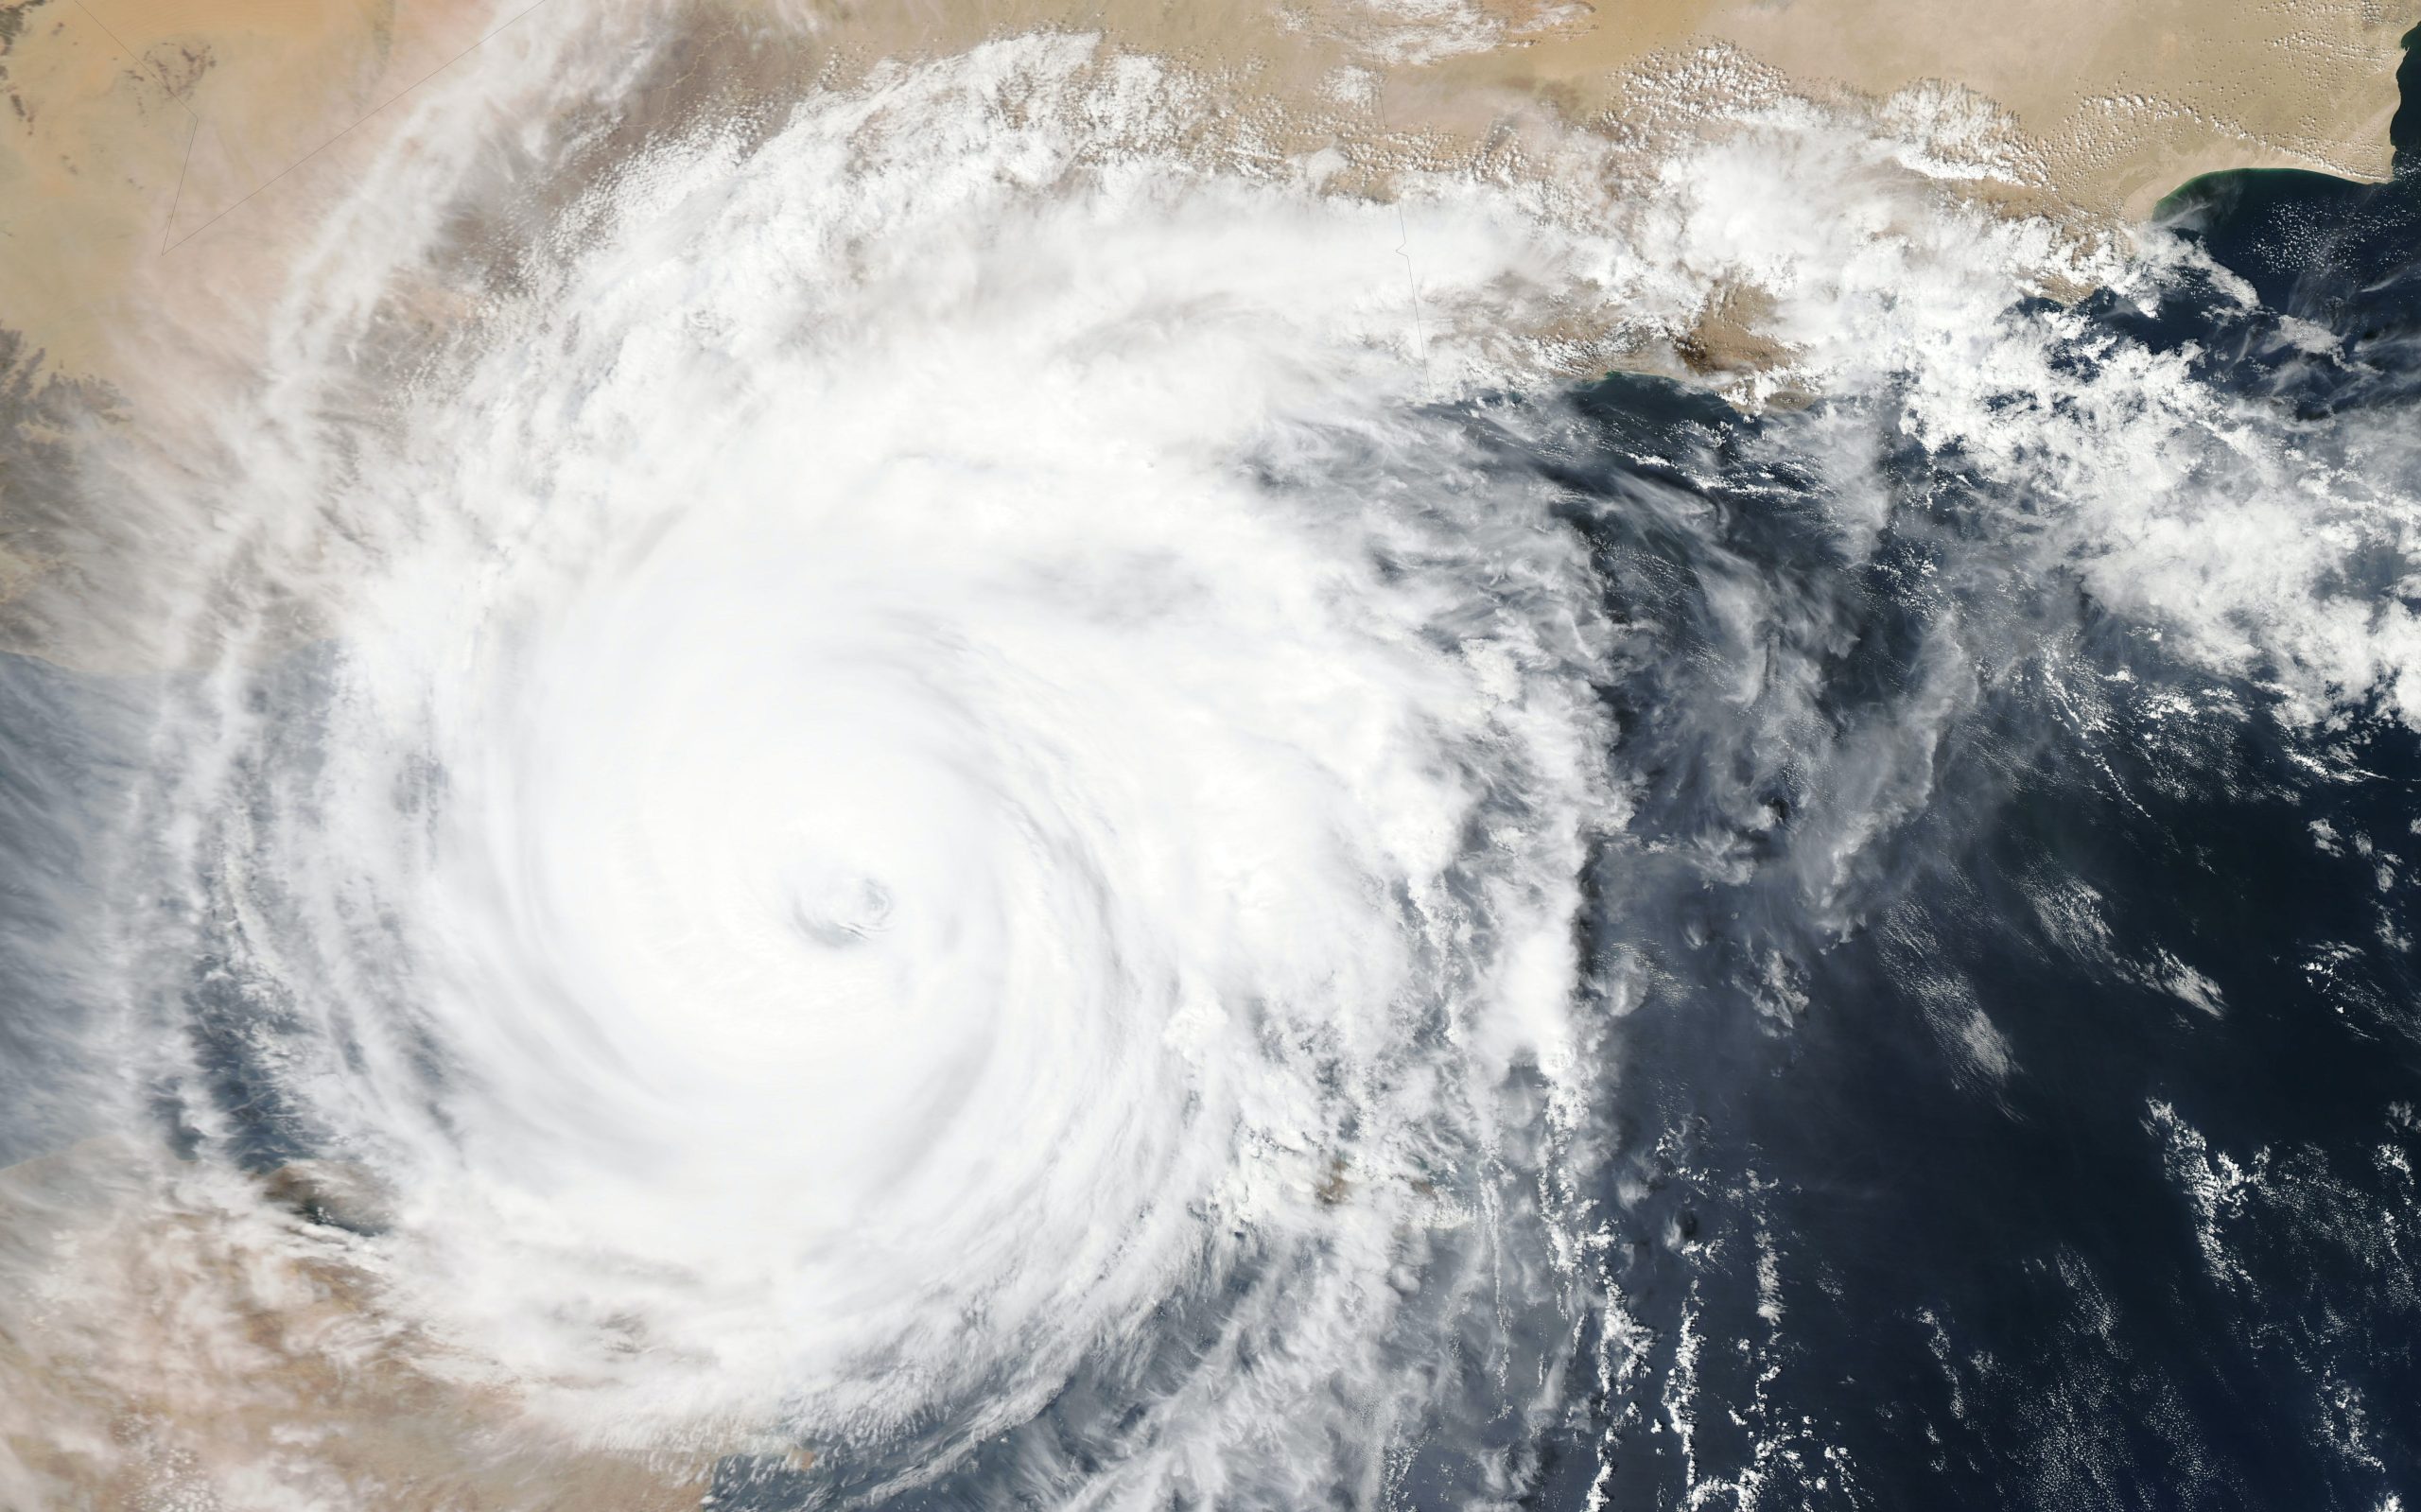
x: 841, y: 909
x: 1327, y: 755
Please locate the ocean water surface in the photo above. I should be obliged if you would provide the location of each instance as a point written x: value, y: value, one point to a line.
x: 947, y: 807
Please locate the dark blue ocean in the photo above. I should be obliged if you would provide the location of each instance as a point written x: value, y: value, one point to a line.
x: 2172, y: 1258
x: 2059, y: 1149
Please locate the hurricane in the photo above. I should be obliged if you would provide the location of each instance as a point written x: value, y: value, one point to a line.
x: 960, y: 786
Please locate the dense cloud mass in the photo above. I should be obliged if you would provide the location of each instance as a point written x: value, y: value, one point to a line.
x: 964, y: 791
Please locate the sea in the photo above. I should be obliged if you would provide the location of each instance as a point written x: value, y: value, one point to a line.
x: 2001, y: 1076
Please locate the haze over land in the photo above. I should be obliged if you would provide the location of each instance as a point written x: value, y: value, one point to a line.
x: 182, y: 226
x: 157, y: 155
x: 163, y: 163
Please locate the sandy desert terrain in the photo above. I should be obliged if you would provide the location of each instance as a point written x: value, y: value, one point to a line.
x: 162, y: 165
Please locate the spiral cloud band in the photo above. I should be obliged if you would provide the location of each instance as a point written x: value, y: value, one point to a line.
x: 874, y: 826
x: 949, y: 793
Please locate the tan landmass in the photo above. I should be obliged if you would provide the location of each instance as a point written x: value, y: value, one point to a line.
x: 129, y: 126
x: 160, y: 165
x: 210, y: 1354
x: 163, y: 163
x: 159, y: 157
